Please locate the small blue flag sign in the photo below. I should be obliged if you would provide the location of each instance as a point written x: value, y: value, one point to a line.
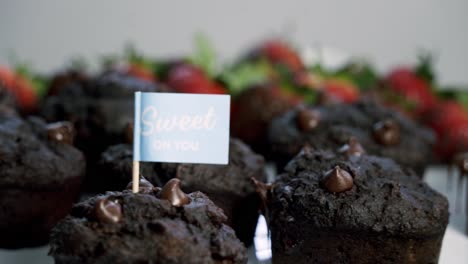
x: 176, y: 127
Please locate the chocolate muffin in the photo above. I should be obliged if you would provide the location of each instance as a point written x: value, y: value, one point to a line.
x: 229, y: 186
x: 153, y: 226
x: 382, y: 132
x: 6, y: 98
x: 100, y: 108
x: 40, y: 178
x: 353, y: 208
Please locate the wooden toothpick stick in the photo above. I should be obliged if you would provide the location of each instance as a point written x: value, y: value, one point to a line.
x: 136, y: 176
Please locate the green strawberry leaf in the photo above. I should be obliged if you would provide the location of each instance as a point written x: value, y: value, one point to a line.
x: 244, y: 74
x: 38, y: 83
x: 132, y: 55
x: 287, y: 82
x: 204, y: 55
x: 459, y: 94
x: 425, y: 68
x: 361, y: 73
x: 320, y: 70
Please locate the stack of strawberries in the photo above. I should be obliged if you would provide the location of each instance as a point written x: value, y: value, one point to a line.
x: 270, y: 80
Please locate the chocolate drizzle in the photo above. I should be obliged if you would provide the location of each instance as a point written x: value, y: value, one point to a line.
x: 61, y: 132
x: 109, y: 212
x: 337, y: 180
x: 353, y: 148
x: 172, y: 192
x: 387, y: 132
x: 307, y: 120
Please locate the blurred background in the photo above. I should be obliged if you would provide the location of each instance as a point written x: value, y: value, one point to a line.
x: 45, y: 34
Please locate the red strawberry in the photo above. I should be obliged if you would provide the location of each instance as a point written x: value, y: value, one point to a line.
x: 186, y: 78
x: 25, y: 95
x: 141, y: 72
x: 21, y: 88
x: 443, y: 115
x: 7, y: 77
x: 413, y: 88
x: 449, y: 121
x: 453, y: 141
x: 341, y: 90
x: 254, y: 109
x: 278, y: 51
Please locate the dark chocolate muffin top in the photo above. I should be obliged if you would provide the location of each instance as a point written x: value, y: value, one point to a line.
x: 234, y: 178
x: 104, y: 102
x: 34, y: 155
x: 381, y: 131
x: 100, y: 108
x: 117, y: 85
x: 115, y: 168
x: 122, y: 227
x: 380, y: 197
x: 116, y: 162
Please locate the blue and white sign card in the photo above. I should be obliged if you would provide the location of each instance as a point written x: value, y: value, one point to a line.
x: 185, y: 128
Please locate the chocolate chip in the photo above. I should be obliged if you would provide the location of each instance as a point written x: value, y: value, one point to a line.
x: 353, y: 148
x: 337, y: 180
x: 61, y: 132
x: 172, y: 192
x: 307, y: 120
x: 387, y: 132
x: 128, y: 133
x: 107, y: 211
x: 144, y: 186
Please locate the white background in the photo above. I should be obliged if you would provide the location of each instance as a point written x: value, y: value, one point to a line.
x: 48, y: 32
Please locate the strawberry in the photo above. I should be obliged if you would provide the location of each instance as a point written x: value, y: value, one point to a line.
x: 443, y: 115
x: 453, y: 141
x: 449, y: 121
x: 341, y: 90
x: 140, y: 71
x: 137, y: 65
x: 7, y: 77
x: 277, y: 51
x: 254, y: 109
x: 405, y: 82
x: 186, y: 78
x: 21, y: 88
x: 26, y: 97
